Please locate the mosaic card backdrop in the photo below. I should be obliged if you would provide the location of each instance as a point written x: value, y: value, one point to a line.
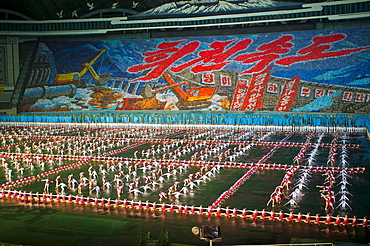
x: 3, y: 80
x: 311, y: 71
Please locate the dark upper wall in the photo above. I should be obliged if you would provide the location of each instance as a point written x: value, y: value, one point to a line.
x: 74, y: 9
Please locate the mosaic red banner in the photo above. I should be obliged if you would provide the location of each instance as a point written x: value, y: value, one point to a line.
x: 253, y: 99
x: 239, y: 95
x: 288, y: 94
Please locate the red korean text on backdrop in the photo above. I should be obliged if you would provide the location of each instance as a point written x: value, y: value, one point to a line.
x: 268, y: 53
x: 316, y: 50
x: 167, y: 54
x: 217, y: 56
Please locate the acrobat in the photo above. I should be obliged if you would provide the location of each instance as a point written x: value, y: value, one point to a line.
x: 97, y: 189
x: 119, y: 190
x: 328, y: 202
x: 162, y: 195
x: 63, y: 186
x: 146, y: 187
x: 107, y: 185
x: 135, y: 191
x: 343, y: 203
x: 275, y: 199
x: 292, y: 203
x: 47, y: 184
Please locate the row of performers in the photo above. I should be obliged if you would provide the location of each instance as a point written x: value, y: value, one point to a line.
x: 36, y: 198
x: 268, y: 166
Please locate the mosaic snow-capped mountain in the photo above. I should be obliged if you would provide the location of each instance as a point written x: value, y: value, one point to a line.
x: 203, y: 7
